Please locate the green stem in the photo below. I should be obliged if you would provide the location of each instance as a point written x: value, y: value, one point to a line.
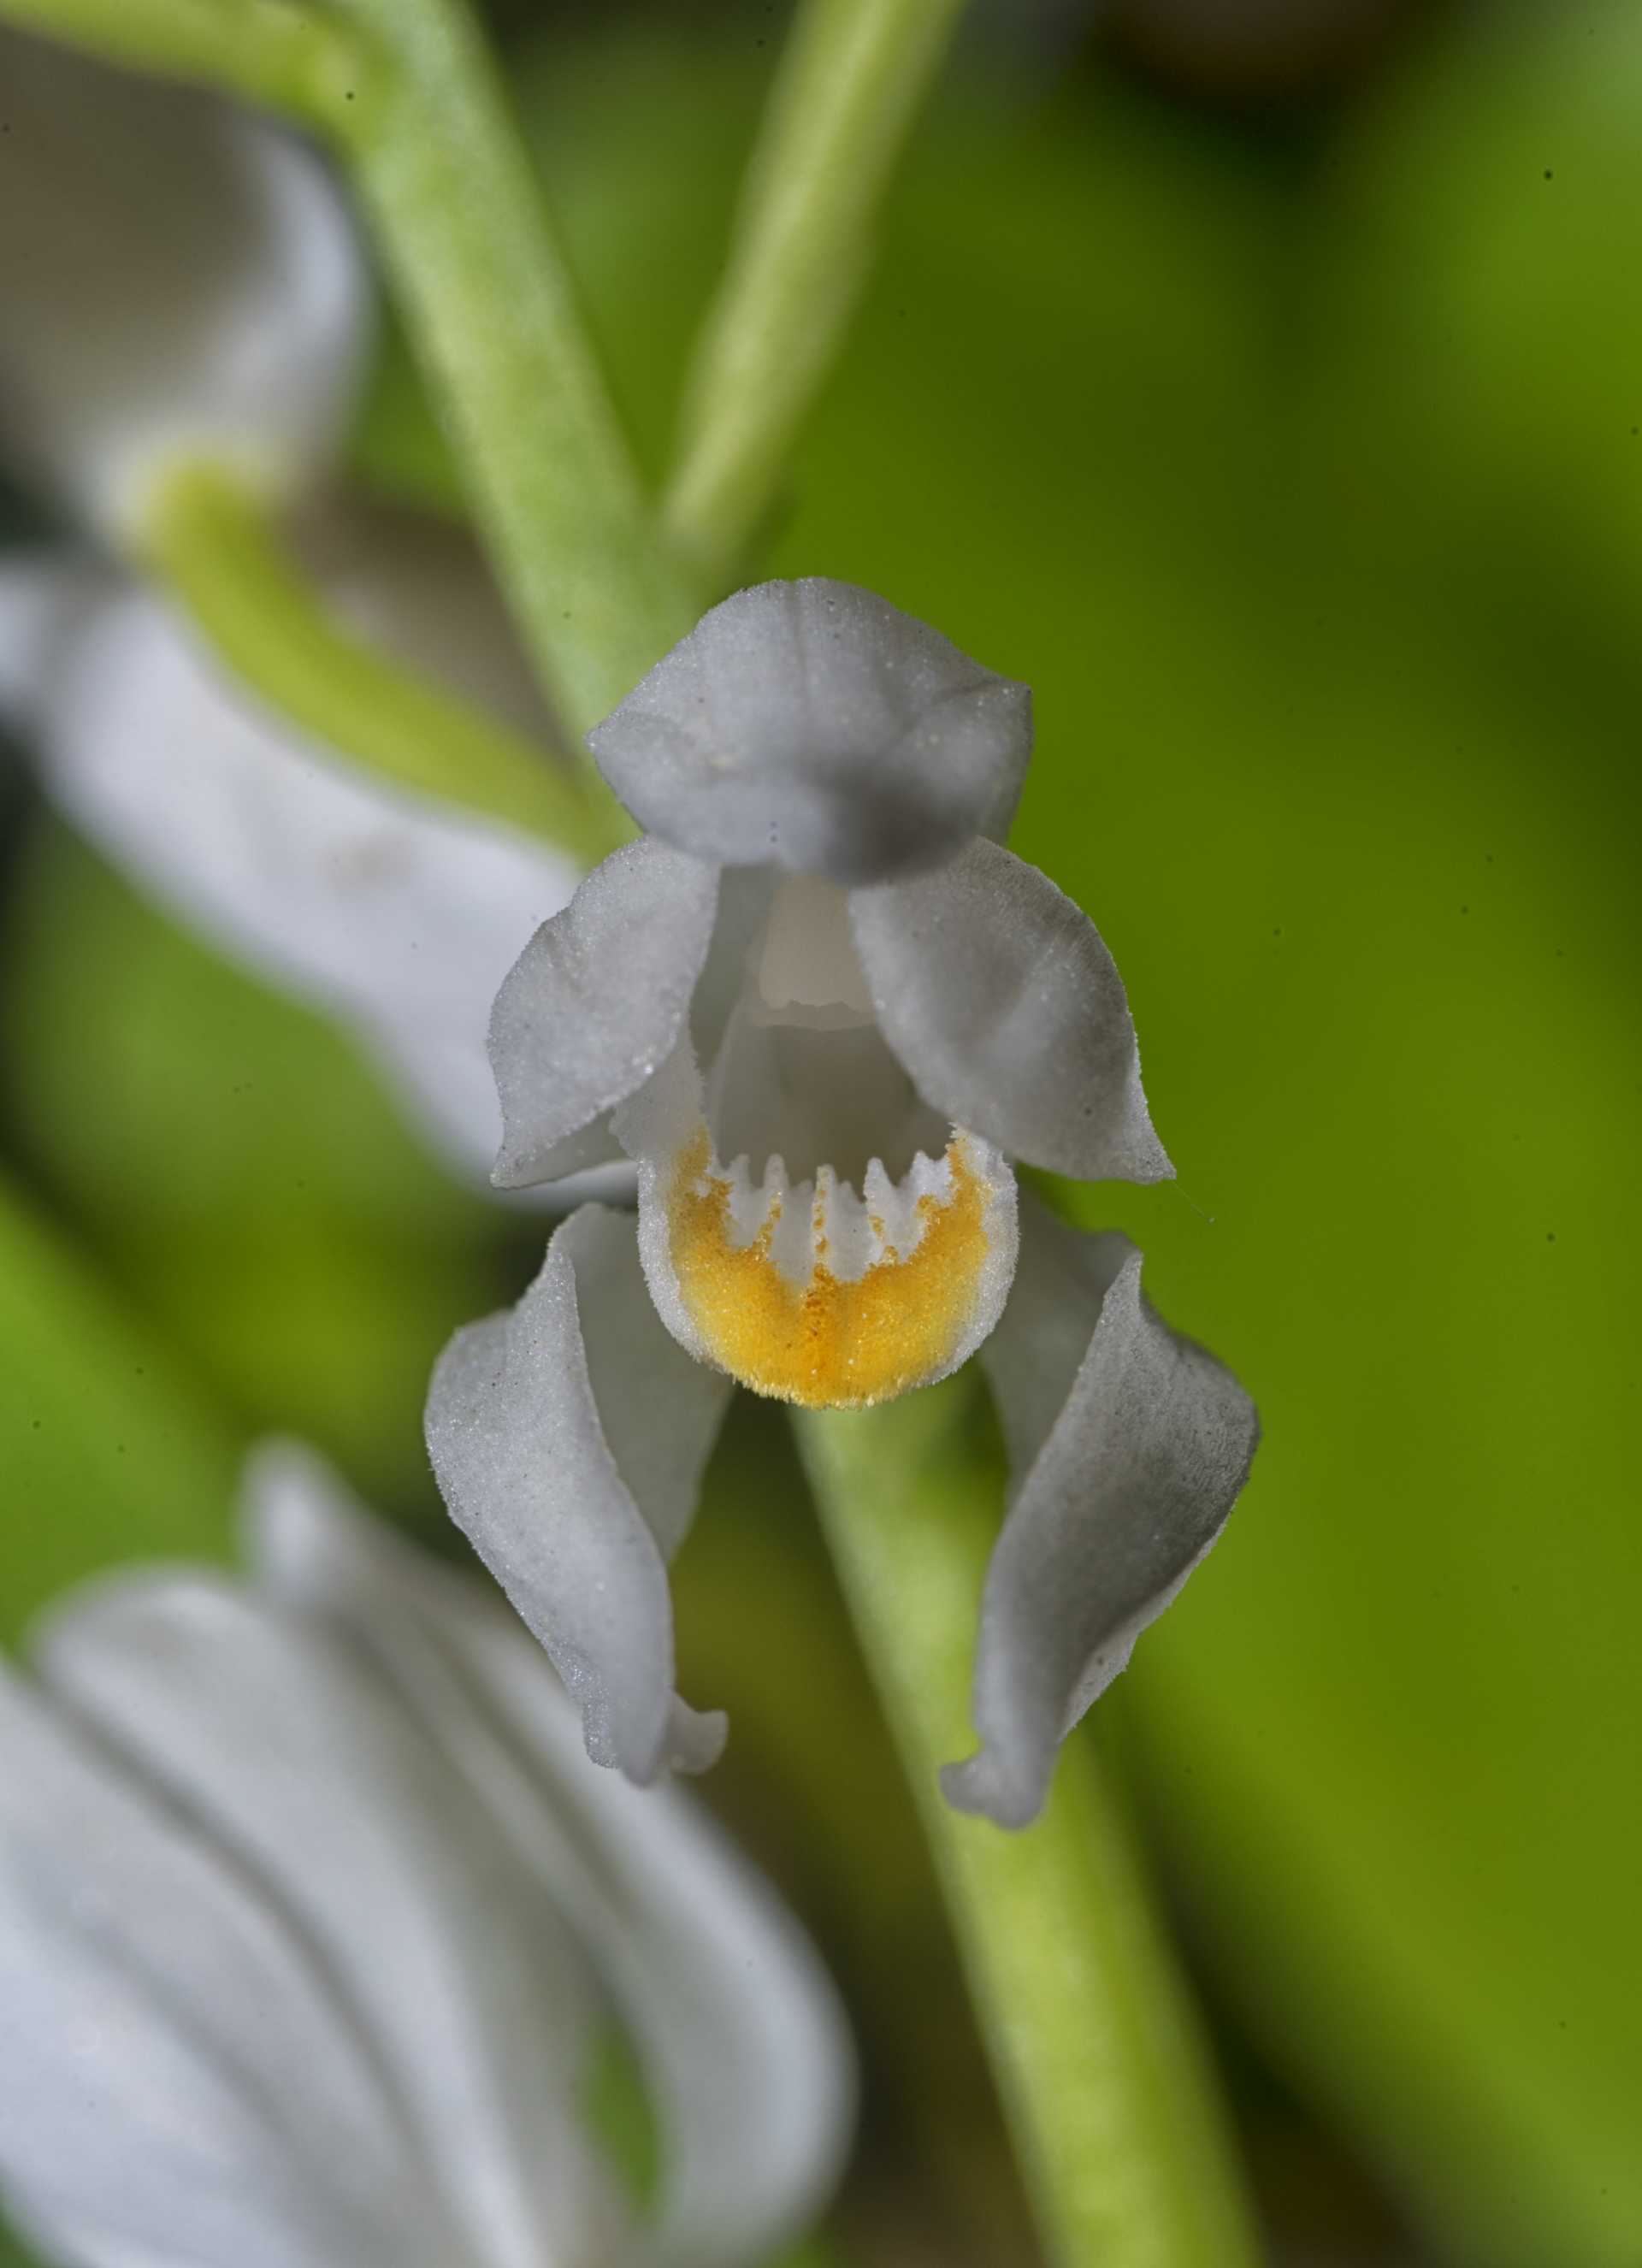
x: 851, y: 81
x: 461, y: 221
x: 286, y: 58
x: 1102, y: 2074
x: 213, y: 544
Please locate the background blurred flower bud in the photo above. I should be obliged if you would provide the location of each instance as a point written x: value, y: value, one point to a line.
x: 177, y: 280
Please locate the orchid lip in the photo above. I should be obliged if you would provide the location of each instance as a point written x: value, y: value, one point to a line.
x: 811, y: 1293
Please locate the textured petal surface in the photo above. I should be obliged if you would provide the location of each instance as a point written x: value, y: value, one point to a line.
x: 998, y: 996
x: 738, y: 2032
x: 593, y: 1005
x: 568, y: 1434
x: 401, y: 914
x: 436, y: 1944
x: 177, y: 278
x: 1119, y: 1492
x: 178, y: 2078
x: 812, y: 726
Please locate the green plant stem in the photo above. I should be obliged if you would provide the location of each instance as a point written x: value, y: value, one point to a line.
x: 213, y: 543
x: 460, y: 219
x: 287, y: 57
x: 1102, y: 2075
x: 851, y: 81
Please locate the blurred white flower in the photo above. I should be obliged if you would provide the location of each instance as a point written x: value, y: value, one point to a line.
x: 312, y: 1911
x: 823, y: 1008
x: 179, y: 281
x: 399, y: 914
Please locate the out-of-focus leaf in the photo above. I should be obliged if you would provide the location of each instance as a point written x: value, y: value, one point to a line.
x: 1482, y: 321
x: 239, y: 1167
x: 1361, y: 853
x: 109, y: 1449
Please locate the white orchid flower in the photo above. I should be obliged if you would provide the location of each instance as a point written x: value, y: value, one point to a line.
x: 312, y: 1910
x: 181, y: 280
x: 823, y: 1009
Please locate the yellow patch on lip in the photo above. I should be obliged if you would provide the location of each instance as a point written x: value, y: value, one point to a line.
x: 831, y: 1343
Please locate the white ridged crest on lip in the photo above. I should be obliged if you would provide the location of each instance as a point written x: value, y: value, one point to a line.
x: 812, y: 1292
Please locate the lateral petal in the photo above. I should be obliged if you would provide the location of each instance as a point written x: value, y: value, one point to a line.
x: 593, y: 1005
x: 998, y: 996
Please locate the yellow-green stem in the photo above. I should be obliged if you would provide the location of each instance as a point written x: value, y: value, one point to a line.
x: 213, y: 543
x: 292, y: 59
x: 461, y: 221
x: 853, y: 77
x: 1101, y: 2073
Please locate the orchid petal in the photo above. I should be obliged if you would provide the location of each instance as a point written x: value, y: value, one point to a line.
x: 568, y: 1435
x: 737, y: 2030
x: 177, y: 2079
x: 475, y: 1999
x: 812, y: 726
x: 402, y: 914
x: 1117, y: 1495
x: 178, y: 279
x: 998, y: 996
x: 593, y: 1005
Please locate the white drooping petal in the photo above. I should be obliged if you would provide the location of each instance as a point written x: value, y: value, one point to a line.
x: 1126, y: 1459
x: 813, y: 1291
x: 568, y: 1435
x: 593, y: 1005
x: 998, y: 996
x: 178, y: 279
x: 738, y: 2032
x: 178, y: 2077
x: 398, y: 913
x: 42, y: 596
x: 470, y: 1995
x: 814, y: 726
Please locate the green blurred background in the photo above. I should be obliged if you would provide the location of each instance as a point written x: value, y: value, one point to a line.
x: 1263, y: 388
